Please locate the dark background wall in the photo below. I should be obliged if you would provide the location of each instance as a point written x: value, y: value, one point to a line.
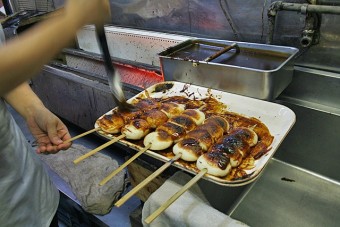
x: 235, y: 20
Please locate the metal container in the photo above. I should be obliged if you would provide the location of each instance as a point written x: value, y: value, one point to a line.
x: 254, y: 70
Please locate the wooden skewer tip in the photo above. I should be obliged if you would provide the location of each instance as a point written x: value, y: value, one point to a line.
x: 147, y: 180
x: 81, y: 158
x: 165, y: 205
x: 120, y: 168
x: 81, y: 135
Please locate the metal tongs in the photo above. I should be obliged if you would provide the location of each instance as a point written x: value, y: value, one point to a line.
x: 114, y: 80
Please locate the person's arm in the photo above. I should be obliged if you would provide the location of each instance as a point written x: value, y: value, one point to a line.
x: 24, y: 56
x: 48, y: 130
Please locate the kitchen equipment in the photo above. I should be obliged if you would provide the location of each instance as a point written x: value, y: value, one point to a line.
x: 254, y: 70
x: 279, y: 120
x: 115, y: 83
x: 222, y: 51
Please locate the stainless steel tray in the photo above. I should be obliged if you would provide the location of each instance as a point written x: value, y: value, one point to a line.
x: 278, y: 118
x: 254, y: 70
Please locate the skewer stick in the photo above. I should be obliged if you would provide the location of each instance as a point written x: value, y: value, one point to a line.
x: 147, y: 180
x: 156, y: 213
x: 81, y: 158
x: 120, y: 168
x: 81, y: 135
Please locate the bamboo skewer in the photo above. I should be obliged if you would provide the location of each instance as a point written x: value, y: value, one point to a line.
x: 147, y: 180
x: 81, y: 135
x: 173, y: 198
x: 120, y: 168
x: 98, y: 149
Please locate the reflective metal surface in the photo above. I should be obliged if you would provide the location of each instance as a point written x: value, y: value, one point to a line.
x: 286, y: 195
x: 315, y: 86
x: 258, y: 71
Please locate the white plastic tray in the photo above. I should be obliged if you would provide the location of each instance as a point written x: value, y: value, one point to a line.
x: 278, y: 118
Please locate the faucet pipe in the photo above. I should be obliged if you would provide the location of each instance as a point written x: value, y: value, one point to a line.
x: 303, y: 8
x: 308, y: 8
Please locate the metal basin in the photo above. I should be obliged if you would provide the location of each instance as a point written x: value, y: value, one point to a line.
x: 286, y: 195
x: 255, y: 70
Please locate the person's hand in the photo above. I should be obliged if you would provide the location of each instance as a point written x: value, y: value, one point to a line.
x: 49, y: 131
x: 89, y: 11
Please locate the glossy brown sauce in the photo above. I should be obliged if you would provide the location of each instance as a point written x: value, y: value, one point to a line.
x: 212, y: 107
x: 247, y: 57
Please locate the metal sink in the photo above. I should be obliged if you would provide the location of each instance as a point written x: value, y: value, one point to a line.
x: 301, y: 184
x: 286, y: 195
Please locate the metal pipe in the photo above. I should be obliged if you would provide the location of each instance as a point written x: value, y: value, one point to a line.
x: 271, y: 26
x: 328, y: 2
x: 303, y: 8
x: 307, y: 8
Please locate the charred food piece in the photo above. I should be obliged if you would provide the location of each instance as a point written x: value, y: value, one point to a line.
x: 159, y: 140
x: 197, y: 115
x: 174, y: 130
x: 217, y: 163
x: 172, y: 109
x: 136, y: 129
x: 155, y: 118
x: 189, y: 148
x: 111, y: 123
x: 183, y: 120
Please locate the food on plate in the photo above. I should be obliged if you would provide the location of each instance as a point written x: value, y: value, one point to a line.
x: 172, y: 109
x: 217, y: 163
x: 111, y: 123
x: 228, y: 152
x: 185, y: 121
x: 197, y: 116
x: 159, y: 140
x: 201, y: 130
x: 199, y: 140
x: 136, y: 129
x: 147, y: 104
x: 173, y: 130
x: 155, y: 117
x: 220, y: 121
x: 150, y: 110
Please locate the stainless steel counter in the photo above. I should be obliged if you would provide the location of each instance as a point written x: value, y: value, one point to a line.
x: 287, y: 195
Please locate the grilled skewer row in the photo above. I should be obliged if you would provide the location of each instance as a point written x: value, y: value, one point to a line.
x: 174, y: 129
x: 228, y: 152
x: 171, y: 123
x: 199, y: 140
x: 112, y: 123
x: 154, y: 114
x: 151, y: 119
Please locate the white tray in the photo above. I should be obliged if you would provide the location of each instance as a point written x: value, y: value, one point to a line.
x: 278, y: 118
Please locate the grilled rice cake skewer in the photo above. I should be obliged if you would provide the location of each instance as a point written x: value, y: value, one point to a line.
x: 199, y: 140
x: 228, y: 152
x: 138, y: 130
x: 173, y: 130
x: 113, y: 123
